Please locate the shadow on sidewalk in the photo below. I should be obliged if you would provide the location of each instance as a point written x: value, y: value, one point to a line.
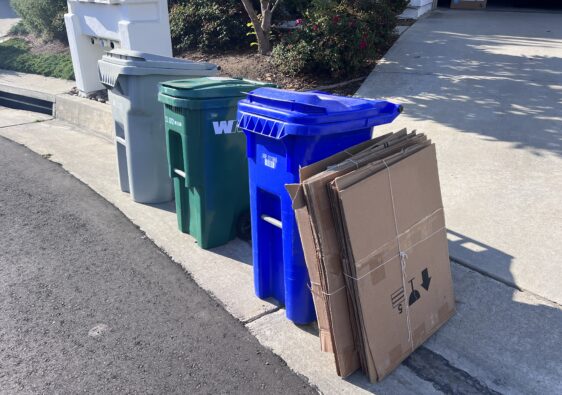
x: 500, y: 340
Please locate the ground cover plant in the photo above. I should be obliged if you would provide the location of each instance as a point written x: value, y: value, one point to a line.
x: 16, y: 54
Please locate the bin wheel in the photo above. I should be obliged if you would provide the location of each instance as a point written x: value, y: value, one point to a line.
x: 244, y: 226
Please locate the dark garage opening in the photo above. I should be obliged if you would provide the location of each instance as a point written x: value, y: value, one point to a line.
x: 534, y: 4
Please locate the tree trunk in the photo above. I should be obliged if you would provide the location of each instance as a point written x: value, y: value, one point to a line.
x: 262, y: 26
x: 264, y: 45
x: 266, y: 29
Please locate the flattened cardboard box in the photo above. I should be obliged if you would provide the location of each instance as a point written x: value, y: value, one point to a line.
x: 349, y: 362
x: 396, y: 257
x: 321, y: 246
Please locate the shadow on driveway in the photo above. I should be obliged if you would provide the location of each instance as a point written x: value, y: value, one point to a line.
x: 499, y: 75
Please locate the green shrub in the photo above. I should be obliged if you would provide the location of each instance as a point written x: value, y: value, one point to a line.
x: 338, y: 37
x: 44, y: 18
x: 18, y: 29
x: 208, y: 25
x: 15, y: 55
x: 293, y: 56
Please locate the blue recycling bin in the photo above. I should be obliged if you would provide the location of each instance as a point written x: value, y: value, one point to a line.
x: 286, y: 130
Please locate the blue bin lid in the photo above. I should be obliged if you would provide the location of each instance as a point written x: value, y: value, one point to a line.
x: 307, y: 113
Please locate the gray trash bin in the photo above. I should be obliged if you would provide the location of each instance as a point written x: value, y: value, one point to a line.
x: 132, y: 80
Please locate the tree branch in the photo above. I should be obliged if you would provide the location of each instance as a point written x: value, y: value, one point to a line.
x: 275, y: 5
x: 264, y: 7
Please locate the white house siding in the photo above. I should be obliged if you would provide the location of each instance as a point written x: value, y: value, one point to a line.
x: 417, y: 8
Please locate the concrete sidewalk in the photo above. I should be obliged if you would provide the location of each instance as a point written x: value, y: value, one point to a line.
x: 32, y: 85
x: 500, y: 341
x: 487, y: 88
x: 8, y: 18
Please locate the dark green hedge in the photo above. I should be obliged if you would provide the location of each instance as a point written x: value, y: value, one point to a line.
x: 208, y: 25
x: 15, y: 55
x: 44, y: 18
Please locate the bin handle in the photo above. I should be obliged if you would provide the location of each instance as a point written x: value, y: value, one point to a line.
x: 272, y: 221
x: 180, y: 173
x: 287, y: 104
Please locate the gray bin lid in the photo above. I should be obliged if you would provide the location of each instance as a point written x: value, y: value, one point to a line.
x: 126, y: 62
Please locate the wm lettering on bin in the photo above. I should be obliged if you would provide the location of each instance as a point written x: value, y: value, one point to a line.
x: 225, y: 127
x: 207, y: 158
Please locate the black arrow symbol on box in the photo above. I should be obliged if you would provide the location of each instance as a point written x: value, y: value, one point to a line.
x: 425, y: 279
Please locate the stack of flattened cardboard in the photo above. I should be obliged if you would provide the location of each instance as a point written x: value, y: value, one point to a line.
x: 373, y: 232
x: 469, y: 4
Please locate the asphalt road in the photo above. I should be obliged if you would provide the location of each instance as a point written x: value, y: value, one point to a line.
x: 88, y: 304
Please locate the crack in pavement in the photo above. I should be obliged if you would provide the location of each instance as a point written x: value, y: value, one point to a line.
x: 469, y: 266
x: 26, y: 123
x: 261, y: 315
x: 445, y: 377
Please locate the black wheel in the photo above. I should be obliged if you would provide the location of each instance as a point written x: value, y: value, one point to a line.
x: 244, y: 226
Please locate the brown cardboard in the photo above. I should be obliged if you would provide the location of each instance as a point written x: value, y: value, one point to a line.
x: 321, y: 246
x: 392, y: 229
x: 359, y: 174
x: 468, y: 4
x: 328, y: 248
x: 307, y: 238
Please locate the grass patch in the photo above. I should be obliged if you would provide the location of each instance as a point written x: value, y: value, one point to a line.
x: 15, y: 54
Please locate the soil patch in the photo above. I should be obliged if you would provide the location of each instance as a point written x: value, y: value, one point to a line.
x: 253, y: 66
x: 242, y: 64
x: 38, y: 46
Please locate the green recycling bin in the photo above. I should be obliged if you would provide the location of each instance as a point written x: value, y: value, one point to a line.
x: 207, y: 157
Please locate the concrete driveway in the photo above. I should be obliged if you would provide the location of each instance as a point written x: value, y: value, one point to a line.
x: 8, y: 17
x: 487, y: 88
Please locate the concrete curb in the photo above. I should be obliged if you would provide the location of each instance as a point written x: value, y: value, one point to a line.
x: 32, y: 85
x: 31, y: 93
x: 88, y: 115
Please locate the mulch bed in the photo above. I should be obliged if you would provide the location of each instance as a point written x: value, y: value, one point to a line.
x: 253, y: 66
x: 246, y: 64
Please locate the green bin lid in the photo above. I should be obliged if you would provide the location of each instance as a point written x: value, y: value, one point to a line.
x: 209, y: 87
